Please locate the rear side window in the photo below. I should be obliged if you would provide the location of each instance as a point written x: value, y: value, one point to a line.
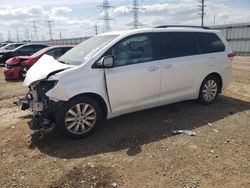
x: 37, y: 47
x: 209, y: 43
x: 176, y: 44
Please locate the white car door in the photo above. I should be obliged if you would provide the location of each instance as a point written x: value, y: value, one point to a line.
x: 181, y: 66
x: 134, y: 81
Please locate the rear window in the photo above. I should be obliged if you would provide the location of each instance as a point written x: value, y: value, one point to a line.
x: 176, y: 44
x: 209, y: 43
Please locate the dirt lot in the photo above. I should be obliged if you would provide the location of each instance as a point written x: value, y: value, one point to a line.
x: 135, y: 150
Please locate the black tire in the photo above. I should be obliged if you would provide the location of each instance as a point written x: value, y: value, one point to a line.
x: 23, y: 72
x: 71, y: 105
x: 203, y: 98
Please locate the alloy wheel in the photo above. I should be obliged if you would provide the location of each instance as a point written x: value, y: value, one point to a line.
x: 24, y: 72
x: 80, y: 119
x: 210, y: 90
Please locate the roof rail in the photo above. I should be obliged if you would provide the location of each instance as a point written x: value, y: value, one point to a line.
x: 189, y: 26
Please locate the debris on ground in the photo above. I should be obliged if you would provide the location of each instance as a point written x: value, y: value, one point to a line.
x: 114, y: 184
x: 186, y: 132
x: 216, y: 130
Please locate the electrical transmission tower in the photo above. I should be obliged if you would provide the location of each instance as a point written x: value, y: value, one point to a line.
x: 135, y: 9
x: 202, y: 13
x: 50, y: 29
x: 106, y: 9
x: 35, y: 37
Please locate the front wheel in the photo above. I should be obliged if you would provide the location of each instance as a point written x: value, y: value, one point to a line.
x: 23, y: 72
x: 79, y: 117
x: 209, y: 90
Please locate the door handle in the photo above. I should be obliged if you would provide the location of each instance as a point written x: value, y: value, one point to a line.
x: 167, y: 66
x: 153, y: 68
x: 212, y: 57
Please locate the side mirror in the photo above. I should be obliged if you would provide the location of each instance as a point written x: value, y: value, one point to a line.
x: 108, y: 61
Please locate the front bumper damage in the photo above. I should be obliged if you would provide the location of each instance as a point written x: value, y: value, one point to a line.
x: 43, y: 108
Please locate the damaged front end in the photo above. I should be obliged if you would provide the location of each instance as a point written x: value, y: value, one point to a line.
x: 42, y: 107
x: 40, y: 80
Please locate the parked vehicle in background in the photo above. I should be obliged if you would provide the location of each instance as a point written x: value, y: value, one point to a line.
x: 10, y: 46
x: 17, y: 67
x: 4, y: 44
x: 122, y: 72
x: 27, y: 50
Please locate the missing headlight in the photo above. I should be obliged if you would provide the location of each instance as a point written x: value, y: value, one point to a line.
x: 44, y: 87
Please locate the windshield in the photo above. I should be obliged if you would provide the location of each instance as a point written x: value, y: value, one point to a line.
x: 85, y: 50
x: 39, y: 52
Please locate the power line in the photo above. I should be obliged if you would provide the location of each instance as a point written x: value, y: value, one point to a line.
x: 202, y: 10
x: 105, y: 9
x: 135, y: 9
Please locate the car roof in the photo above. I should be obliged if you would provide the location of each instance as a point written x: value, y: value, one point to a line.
x: 167, y: 29
x: 60, y: 46
x: 30, y: 45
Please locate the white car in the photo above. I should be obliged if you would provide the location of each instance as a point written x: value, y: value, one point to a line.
x: 122, y: 72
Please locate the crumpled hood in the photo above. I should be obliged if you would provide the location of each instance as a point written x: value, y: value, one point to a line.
x: 42, y: 68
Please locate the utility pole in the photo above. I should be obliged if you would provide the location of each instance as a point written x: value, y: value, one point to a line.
x: 96, y: 29
x: 105, y: 9
x: 50, y: 29
x: 35, y: 36
x: 1, y: 37
x: 135, y: 9
x: 60, y: 35
x: 27, y: 35
x: 9, y: 36
x: 202, y: 10
x: 17, y: 36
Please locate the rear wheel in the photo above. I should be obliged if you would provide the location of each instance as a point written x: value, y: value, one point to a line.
x: 79, y: 117
x: 209, y: 90
x: 23, y: 72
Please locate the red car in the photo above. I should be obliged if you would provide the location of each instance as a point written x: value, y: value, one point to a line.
x: 17, y: 67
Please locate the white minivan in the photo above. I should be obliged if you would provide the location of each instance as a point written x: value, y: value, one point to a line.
x: 122, y: 72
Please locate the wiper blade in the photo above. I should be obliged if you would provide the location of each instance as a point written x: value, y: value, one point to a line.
x: 64, y: 62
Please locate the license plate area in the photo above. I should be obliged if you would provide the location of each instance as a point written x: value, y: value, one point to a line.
x: 36, y: 106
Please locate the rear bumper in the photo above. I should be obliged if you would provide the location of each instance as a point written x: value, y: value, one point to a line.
x: 13, y: 73
x: 227, y: 76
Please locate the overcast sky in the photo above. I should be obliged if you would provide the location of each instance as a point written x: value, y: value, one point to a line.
x: 76, y: 18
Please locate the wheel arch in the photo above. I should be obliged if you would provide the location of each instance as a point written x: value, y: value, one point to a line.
x: 98, y: 99
x: 218, y: 76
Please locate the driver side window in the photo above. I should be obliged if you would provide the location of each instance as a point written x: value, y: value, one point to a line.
x: 133, y: 50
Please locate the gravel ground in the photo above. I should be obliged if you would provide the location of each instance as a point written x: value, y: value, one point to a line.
x: 135, y: 150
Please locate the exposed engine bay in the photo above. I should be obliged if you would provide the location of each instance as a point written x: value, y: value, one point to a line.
x: 42, y: 107
x: 37, y: 79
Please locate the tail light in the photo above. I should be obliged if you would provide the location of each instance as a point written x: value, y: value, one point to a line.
x: 29, y: 62
x: 13, y: 61
x: 231, y: 55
